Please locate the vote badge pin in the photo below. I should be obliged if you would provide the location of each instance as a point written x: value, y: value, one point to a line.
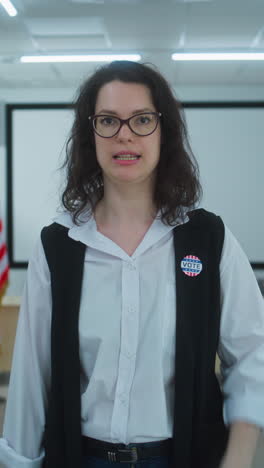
x: 191, y: 265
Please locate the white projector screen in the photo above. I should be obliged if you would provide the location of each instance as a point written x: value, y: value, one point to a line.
x: 226, y: 139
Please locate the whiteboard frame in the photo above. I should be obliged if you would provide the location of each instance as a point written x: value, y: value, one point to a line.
x: 10, y: 108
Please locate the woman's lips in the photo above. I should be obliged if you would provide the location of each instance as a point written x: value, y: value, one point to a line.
x: 127, y: 154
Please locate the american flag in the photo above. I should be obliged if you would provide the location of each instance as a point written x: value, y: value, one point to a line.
x: 4, y: 266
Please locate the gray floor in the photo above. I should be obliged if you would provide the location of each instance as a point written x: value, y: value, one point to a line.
x: 258, y: 460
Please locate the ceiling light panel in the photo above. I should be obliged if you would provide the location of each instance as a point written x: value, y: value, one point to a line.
x: 78, y: 58
x: 213, y: 56
x: 9, y: 7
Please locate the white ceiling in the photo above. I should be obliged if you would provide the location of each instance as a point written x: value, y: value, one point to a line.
x: 153, y: 28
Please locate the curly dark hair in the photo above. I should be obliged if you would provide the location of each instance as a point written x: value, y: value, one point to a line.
x: 177, y: 182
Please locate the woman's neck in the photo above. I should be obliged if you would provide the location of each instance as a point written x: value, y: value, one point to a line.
x: 124, y: 216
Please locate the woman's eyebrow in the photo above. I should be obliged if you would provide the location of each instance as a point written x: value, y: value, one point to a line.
x: 137, y: 111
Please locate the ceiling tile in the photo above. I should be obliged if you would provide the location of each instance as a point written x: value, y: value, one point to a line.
x: 219, y: 73
x: 15, y: 47
x: 66, y: 26
x: 154, y: 28
x: 78, y: 43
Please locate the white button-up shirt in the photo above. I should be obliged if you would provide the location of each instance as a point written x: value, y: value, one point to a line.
x: 127, y: 343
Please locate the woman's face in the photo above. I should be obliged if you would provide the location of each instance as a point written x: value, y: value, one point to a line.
x: 123, y: 100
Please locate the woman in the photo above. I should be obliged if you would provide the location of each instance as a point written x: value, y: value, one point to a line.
x: 101, y: 374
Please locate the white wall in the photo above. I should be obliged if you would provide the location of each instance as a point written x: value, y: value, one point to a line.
x: 11, y: 96
x: 188, y: 93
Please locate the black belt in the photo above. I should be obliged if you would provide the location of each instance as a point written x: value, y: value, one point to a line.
x: 123, y: 453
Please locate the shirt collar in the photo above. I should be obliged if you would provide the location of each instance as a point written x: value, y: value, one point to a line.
x: 87, y: 232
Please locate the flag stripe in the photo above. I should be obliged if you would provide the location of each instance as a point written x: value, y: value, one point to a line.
x: 3, y: 251
x: 4, y: 266
x: 4, y: 277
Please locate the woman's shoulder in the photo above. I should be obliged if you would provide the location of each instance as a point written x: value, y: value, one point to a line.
x: 205, y: 218
x: 63, y: 218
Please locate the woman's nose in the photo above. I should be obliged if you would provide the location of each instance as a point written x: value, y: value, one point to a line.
x: 125, y: 132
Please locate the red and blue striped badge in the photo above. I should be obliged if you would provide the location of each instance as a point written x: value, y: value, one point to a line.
x: 191, y: 265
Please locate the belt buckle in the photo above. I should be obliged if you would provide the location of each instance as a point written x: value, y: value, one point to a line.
x: 133, y: 452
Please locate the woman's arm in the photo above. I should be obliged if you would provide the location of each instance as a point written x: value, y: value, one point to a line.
x: 241, y: 352
x: 242, y: 443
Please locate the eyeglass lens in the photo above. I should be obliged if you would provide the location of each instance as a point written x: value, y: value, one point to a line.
x: 142, y: 124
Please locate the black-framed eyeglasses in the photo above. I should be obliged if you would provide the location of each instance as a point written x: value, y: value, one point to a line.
x: 142, y: 124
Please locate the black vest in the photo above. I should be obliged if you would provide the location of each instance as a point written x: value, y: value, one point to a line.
x: 199, y: 433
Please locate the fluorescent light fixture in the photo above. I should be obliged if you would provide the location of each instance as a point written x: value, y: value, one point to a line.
x: 10, y: 9
x: 77, y: 58
x: 182, y: 56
